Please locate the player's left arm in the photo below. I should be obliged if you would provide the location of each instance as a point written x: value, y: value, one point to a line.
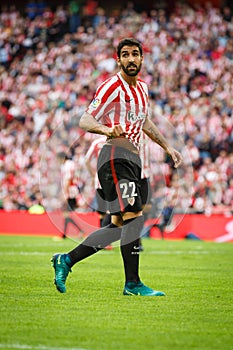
x: 89, y: 123
x: 151, y: 130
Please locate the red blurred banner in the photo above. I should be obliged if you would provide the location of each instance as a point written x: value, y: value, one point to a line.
x: 216, y: 227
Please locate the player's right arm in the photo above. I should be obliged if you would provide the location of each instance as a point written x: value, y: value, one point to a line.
x: 90, y: 124
x: 151, y: 130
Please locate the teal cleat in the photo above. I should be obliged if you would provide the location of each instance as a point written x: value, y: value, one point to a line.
x: 138, y: 288
x: 61, y: 265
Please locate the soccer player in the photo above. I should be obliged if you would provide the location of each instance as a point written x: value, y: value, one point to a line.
x: 70, y: 191
x: 100, y: 205
x: 145, y: 186
x: 90, y: 158
x: 120, y: 111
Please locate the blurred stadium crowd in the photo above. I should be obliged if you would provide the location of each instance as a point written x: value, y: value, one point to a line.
x: 52, y: 60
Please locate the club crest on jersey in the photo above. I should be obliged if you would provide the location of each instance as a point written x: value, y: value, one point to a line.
x: 131, y: 201
x: 132, y: 117
x: 95, y: 103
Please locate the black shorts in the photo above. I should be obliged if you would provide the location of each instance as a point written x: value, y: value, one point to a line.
x: 71, y: 204
x: 146, y: 192
x: 146, y: 195
x: 119, y: 172
x: 100, y: 202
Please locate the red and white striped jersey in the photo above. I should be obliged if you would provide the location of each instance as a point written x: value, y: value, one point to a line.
x: 145, y: 155
x: 95, y: 147
x: 69, y: 182
x: 116, y: 102
x: 93, y: 153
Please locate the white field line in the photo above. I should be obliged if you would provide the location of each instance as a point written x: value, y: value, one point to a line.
x: 23, y: 253
x: 178, y: 252
x: 37, y: 347
x: 155, y: 252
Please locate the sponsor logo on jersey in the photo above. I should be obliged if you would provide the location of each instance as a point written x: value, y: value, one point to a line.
x: 95, y: 103
x: 132, y: 117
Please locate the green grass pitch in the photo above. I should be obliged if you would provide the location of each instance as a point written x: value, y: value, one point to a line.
x: 197, y: 312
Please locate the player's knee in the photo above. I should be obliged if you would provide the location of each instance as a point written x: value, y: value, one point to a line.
x: 131, y: 215
x: 132, y: 229
x: 117, y: 220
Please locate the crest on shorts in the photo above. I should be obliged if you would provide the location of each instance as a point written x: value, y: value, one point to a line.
x: 131, y: 201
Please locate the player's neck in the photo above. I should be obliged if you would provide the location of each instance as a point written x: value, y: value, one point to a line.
x: 132, y: 81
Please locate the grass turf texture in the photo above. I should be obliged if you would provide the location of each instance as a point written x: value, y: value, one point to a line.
x: 94, y: 315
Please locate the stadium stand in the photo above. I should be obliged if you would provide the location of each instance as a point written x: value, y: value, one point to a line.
x: 50, y: 63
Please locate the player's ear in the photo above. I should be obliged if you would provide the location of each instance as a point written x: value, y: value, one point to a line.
x: 118, y: 61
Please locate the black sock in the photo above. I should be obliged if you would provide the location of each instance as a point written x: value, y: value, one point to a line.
x: 65, y: 226
x: 70, y: 220
x: 130, y: 239
x: 101, y: 222
x: 95, y: 242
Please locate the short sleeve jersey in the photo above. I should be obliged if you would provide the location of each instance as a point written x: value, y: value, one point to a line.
x: 68, y: 178
x: 116, y: 102
x: 93, y: 153
x: 145, y: 156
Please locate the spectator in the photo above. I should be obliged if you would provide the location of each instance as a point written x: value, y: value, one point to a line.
x: 74, y: 15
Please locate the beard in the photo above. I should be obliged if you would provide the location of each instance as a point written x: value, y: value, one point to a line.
x: 131, y: 73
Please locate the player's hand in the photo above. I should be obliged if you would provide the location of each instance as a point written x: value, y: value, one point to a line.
x: 117, y: 131
x: 176, y: 157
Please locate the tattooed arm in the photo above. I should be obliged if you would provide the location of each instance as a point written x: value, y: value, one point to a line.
x: 151, y: 130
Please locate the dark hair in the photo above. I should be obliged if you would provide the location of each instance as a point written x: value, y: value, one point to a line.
x: 129, y: 42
